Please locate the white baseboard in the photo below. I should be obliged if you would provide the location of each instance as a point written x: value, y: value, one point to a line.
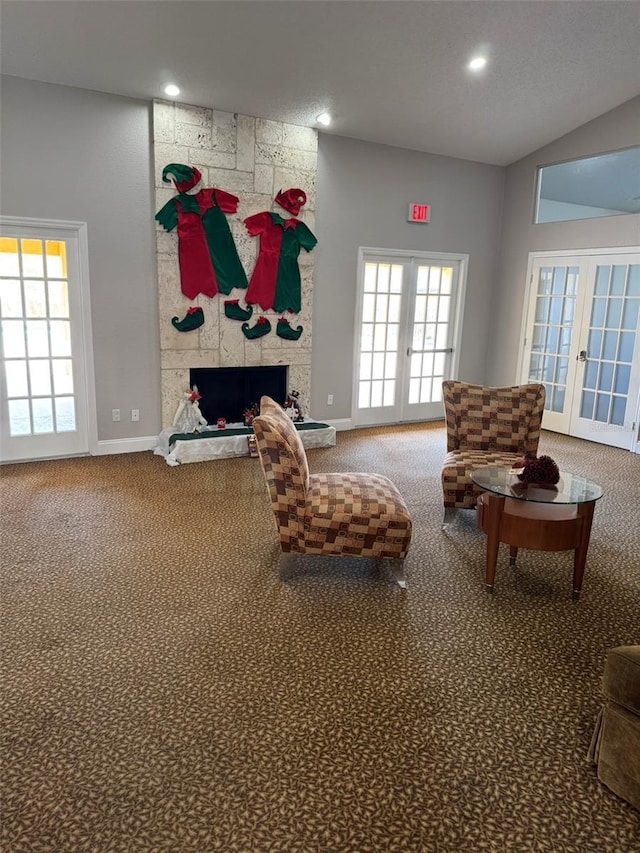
x: 124, y: 445
x: 340, y: 424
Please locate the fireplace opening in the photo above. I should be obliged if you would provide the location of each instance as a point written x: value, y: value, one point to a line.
x: 228, y: 391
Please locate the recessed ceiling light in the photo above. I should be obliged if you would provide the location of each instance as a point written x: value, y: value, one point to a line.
x: 324, y: 118
x: 477, y: 63
x: 172, y: 90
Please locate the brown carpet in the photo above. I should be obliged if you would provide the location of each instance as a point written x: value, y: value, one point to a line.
x: 164, y: 691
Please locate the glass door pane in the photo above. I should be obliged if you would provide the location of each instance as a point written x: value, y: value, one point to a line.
x: 40, y: 364
x: 431, y: 338
x: 406, y: 328
x: 610, y: 355
x: 582, y: 343
x: 31, y: 339
x: 379, y: 340
x: 550, y: 346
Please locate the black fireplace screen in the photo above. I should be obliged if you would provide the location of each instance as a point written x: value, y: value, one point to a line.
x: 228, y: 391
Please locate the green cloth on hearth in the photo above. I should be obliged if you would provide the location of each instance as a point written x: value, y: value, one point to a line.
x: 212, y: 433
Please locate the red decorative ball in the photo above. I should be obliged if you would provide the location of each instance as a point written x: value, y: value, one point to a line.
x: 528, y: 457
x: 542, y: 470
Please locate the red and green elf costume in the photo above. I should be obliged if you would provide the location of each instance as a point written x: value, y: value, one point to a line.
x: 275, y: 281
x: 207, y: 254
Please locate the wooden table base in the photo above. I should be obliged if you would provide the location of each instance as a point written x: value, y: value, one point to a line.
x: 538, y: 526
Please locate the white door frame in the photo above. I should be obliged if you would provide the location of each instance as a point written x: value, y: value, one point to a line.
x: 568, y: 254
x: 556, y: 253
x: 88, y: 400
x: 457, y: 319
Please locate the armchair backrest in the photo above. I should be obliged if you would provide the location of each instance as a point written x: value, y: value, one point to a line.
x: 268, y: 406
x: 284, y: 463
x: 496, y: 419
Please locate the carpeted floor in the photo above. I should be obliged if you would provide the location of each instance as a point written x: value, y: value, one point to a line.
x: 164, y: 691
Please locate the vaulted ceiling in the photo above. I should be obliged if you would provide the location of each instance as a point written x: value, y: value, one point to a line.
x: 392, y: 72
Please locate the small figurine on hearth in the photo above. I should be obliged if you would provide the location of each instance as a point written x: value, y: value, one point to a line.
x: 188, y: 417
x: 292, y: 406
x: 250, y: 413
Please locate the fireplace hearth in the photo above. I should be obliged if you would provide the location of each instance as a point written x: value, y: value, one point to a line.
x: 227, y: 391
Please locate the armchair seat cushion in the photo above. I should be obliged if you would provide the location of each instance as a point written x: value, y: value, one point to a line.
x: 457, y: 488
x: 358, y: 514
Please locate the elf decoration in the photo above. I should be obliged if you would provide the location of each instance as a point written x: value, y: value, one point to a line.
x: 192, y: 320
x: 235, y: 311
x: 284, y: 330
x: 291, y: 406
x: 207, y: 254
x: 188, y: 417
x: 261, y: 328
x: 275, y: 281
x: 250, y: 413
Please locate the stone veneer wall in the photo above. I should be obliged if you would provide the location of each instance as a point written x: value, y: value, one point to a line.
x: 252, y: 158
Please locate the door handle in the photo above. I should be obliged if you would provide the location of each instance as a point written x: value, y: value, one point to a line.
x: 582, y: 355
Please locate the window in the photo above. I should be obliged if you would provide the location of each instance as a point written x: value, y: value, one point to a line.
x: 603, y: 185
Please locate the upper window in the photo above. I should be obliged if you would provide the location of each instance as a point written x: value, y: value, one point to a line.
x: 604, y: 185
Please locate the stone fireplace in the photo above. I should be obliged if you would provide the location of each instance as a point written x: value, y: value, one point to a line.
x: 253, y: 159
x: 228, y: 391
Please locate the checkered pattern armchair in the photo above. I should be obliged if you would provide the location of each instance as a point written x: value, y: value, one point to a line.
x: 348, y: 514
x: 485, y: 426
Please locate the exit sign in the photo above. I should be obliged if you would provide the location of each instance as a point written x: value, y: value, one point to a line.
x: 419, y: 213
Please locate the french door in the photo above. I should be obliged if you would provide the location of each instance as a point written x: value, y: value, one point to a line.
x: 583, y: 343
x: 408, y: 323
x: 44, y: 328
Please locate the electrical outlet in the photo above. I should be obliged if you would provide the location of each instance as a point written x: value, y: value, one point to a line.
x: 115, y: 414
x: 330, y: 400
x: 135, y: 414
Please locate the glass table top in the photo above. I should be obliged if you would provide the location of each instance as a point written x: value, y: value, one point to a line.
x: 570, y: 489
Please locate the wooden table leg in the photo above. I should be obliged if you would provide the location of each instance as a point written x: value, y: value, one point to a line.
x: 494, y: 509
x: 585, y: 514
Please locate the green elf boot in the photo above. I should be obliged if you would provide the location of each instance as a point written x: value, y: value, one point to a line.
x: 233, y: 311
x: 284, y: 330
x: 261, y: 328
x: 192, y: 319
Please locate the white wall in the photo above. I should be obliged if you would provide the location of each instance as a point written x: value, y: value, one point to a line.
x: 619, y: 128
x: 78, y: 155
x: 363, y: 193
x: 84, y: 156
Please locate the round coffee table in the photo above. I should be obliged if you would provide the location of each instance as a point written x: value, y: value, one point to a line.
x: 539, y: 517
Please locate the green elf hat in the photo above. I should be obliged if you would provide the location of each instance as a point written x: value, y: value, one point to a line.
x: 192, y: 319
x: 261, y: 328
x: 184, y: 177
x: 233, y: 311
x: 284, y: 330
